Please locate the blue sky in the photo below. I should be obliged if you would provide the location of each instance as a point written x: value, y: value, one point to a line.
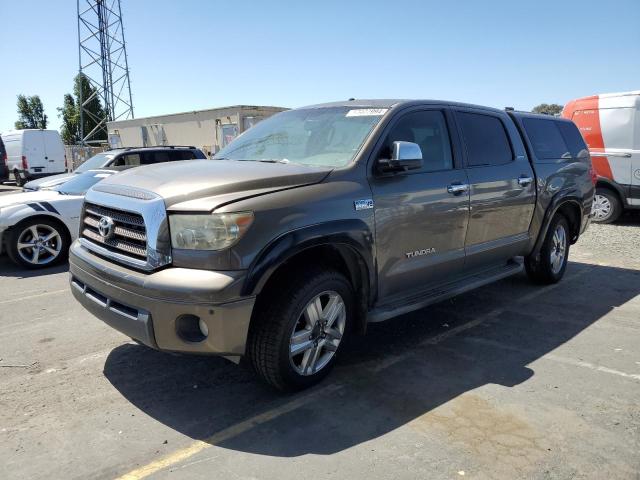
x: 187, y: 55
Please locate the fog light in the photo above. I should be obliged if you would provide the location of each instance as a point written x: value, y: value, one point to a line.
x: 203, y: 328
x: 191, y: 328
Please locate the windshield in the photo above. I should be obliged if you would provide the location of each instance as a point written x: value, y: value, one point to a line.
x: 319, y: 136
x: 83, y: 182
x: 97, y: 161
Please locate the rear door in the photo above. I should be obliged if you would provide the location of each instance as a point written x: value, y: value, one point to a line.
x: 420, y: 224
x: 53, y: 152
x: 502, y: 188
x: 33, y: 145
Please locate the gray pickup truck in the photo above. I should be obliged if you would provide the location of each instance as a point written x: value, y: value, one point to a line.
x: 321, y: 219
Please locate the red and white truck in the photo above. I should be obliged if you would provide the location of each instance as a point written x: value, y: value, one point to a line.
x: 610, y: 125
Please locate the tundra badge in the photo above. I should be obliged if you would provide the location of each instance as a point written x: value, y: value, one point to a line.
x: 364, y: 204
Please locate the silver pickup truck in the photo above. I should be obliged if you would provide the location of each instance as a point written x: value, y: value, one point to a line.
x: 321, y: 219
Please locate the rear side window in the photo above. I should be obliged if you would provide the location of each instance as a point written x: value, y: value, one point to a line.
x: 182, y: 155
x: 573, y: 139
x: 486, y: 140
x: 160, y: 156
x: 546, y: 139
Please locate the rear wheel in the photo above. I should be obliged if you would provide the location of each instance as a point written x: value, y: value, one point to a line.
x: 20, y: 181
x: 550, y: 264
x: 38, y: 243
x: 295, y: 338
x: 606, y: 206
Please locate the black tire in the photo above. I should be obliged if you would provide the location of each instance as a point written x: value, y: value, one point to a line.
x: 63, y: 242
x: 541, y: 268
x: 610, y: 200
x: 20, y: 181
x: 279, y: 313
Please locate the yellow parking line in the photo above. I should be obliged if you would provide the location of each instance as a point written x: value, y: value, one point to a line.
x: 245, y: 425
x: 29, y: 297
x: 227, y: 433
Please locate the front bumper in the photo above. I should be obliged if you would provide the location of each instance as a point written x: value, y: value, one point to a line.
x: 146, y: 306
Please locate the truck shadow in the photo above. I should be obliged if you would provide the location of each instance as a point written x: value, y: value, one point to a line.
x: 630, y: 218
x: 400, y: 371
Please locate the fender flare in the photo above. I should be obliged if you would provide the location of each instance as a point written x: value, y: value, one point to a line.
x: 570, y: 197
x: 354, y: 235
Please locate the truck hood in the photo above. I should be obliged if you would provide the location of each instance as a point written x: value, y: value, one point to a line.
x: 204, y: 185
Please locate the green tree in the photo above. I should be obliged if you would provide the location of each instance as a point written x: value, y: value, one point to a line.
x: 548, y: 109
x: 30, y: 113
x: 93, y: 113
x: 70, y: 120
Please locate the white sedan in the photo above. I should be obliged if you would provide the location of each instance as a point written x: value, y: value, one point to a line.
x: 37, y: 228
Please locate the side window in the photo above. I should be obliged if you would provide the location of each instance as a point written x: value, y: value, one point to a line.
x: 181, y: 155
x: 573, y: 139
x: 486, y: 139
x: 429, y: 130
x: 158, y: 156
x: 130, y: 159
x: 547, y: 141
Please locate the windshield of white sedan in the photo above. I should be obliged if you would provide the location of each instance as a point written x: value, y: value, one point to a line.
x: 97, y: 161
x: 81, y: 183
x: 316, y: 136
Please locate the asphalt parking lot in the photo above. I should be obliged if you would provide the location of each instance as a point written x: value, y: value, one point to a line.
x: 510, y: 381
x: 8, y: 187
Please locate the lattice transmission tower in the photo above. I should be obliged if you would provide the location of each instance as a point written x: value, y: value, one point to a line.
x: 102, y: 57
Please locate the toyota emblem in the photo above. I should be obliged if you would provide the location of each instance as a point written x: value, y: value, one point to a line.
x: 105, y: 227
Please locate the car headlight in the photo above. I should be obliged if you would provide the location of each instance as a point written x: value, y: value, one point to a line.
x: 208, y: 231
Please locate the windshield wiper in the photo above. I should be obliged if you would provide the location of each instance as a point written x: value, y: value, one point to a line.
x: 272, y: 160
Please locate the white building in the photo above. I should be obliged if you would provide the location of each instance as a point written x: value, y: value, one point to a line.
x: 209, y: 130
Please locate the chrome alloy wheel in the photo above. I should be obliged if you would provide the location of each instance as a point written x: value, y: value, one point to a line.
x: 317, y: 333
x: 39, y: 244
x: 558, y: 249
x: 601, y: 208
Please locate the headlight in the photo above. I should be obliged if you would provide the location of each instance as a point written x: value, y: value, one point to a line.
x: 208, y: 231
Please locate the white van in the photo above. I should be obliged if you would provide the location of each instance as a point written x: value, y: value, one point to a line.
x: 610, y: 125
x: 33, y: 153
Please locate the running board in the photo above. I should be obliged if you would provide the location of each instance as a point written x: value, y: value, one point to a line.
x: 438, y: 294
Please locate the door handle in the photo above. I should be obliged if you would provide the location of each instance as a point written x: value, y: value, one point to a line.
x: 457, y: 188
x: 524, y: 181
x: 602, y: 154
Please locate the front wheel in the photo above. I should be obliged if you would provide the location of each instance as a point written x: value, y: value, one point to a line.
x: 38, y: 243
x: 551, y: 262
x: 295, y: 338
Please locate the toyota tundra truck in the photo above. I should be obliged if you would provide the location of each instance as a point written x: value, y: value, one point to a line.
x: 322, y: 219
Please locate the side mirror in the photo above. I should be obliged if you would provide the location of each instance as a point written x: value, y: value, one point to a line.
x: 404, y: 156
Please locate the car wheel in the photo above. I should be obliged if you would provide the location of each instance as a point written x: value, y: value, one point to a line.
x: 38, y: 243
x: 606, y: 206
x: 294, y: 340
x: 550, y: 264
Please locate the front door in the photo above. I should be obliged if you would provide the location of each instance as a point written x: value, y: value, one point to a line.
x: 421, y: 222
x: 502, y: 185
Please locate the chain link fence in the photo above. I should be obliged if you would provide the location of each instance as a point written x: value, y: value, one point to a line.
x: 76, y: 155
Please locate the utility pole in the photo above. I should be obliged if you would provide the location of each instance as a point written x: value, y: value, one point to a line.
x: 102, y: 59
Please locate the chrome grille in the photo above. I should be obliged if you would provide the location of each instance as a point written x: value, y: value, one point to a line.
x: 129, y: 232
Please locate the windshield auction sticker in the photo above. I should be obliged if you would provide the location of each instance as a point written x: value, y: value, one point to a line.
x: 367, y: 112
